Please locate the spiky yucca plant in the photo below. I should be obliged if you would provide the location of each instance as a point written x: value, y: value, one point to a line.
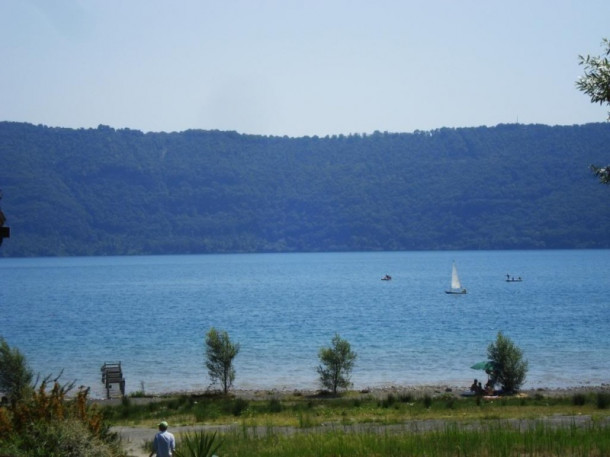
x: 197, y: 444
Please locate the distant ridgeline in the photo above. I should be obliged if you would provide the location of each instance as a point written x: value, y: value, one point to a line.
x: 116, y: 192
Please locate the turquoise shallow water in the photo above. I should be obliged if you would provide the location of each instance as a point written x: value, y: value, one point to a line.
x: 152, y: 313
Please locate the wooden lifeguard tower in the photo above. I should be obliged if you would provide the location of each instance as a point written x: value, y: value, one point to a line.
x: 113, y: 380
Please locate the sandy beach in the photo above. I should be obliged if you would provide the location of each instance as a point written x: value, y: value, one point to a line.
x: 415, y: 390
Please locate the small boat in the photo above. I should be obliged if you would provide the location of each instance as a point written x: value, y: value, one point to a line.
x: 456, y: 285
x: 386, y: 278
x: 513, y: 279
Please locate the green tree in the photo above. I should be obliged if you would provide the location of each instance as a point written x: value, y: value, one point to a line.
x: 220, y: 352
x: 596, y: 84
x: 336, y: 365
x: 15, y: 374
x: 510, y: 367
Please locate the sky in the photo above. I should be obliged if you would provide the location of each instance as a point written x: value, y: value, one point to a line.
x: 298, y: 68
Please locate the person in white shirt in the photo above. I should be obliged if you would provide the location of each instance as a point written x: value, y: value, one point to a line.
x: 164, y: 443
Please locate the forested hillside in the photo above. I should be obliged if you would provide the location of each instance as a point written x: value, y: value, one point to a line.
x: 105, y: 191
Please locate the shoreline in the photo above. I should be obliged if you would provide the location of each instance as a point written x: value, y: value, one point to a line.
x: 415, y: 390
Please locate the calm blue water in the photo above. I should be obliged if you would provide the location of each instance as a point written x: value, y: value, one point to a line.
x: 152, y: 313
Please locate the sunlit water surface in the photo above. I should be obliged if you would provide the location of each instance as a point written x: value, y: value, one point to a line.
x: 152, y: 314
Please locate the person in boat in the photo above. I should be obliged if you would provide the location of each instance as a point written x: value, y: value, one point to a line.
x: 387, y: 278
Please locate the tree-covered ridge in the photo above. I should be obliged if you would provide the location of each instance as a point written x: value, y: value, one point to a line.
x: 105, y: 191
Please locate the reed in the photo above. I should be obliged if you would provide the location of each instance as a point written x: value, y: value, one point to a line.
x: 496, y: 440
x: 363, y: 425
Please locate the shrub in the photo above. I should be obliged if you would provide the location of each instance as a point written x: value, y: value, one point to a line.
x: 579, y: 399
x: 50, y: 425
x: 275, y: 406
x: 510, y: 368
x: 197, y: 444
x: 69, y: 438
x: 239, y: 406
x: 450, y: 402
x: 206, y: 411
x: 44, y: 422
x: 427, y: 401
x: 388, y: 401
x: 603, y: 400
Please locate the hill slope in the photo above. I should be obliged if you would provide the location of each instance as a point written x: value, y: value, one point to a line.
x: 105, y: 191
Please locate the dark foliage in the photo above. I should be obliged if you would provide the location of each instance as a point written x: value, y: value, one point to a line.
x: 119, y: 192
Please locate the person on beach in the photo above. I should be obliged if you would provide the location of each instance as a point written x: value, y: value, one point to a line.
x: 164, y: 443
x: 489, y: 387
x: 474, y: 387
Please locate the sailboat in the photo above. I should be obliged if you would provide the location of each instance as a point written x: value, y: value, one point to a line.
x: 456, y: 285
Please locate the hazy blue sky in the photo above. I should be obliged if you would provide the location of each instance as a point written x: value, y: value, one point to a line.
x: 311, y: 67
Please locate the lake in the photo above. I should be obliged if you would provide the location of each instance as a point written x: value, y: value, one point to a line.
x: 151, y: 313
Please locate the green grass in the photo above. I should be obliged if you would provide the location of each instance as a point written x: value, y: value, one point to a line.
x: 362, y: 425
x: 498, y: 439
x: 304, y: 412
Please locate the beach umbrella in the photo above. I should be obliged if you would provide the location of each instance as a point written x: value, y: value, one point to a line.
x: 486, y: 365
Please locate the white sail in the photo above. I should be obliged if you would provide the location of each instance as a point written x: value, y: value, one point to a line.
x: 455, y: 280
x: 456, y: 285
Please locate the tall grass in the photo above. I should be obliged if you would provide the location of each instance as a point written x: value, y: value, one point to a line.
x: 366, y: 426
x: 603, y: 400
x: 305, y: 412
x: 498, y: 440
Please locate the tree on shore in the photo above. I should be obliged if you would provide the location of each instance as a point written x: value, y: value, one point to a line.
x: 220, y: 352
x: 596, y: 84
x: 15, y: 375
x: 510, y: 369
x: 336, y: 365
